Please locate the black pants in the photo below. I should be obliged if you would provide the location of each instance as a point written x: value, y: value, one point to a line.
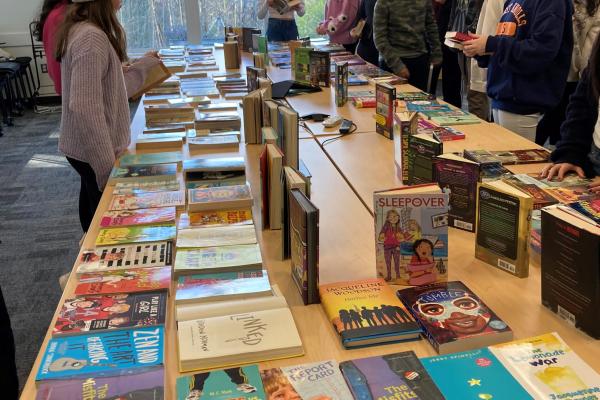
x: 350, y: 47
x: 367, y: 51
x: 549, y: 125
x: 452, y: 78
x: 89, y: 194
x: 9, y: 382
x: 418, y: 67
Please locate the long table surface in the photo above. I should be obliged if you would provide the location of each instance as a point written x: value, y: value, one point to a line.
x: 344, y: 174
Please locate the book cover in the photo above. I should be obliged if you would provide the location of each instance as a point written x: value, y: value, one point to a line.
x: 107, y: 312
x: 540, y: 197
x: 414, y: 96
x: 216, y: 236
x: 204, y: 287
x: 475, y: 374
x: 143, y: 172
x: 144, y: 216
x: 502, y: 227
x: 444, y: 133
x: 215, y: 198
x: 218, y: 259
x: 135, y: 234
x: 454, y: 318
x: 302, y: 64
x: 385, y: 95
x: 454, y: 117
x: 146, y: 187
x: 405, y: 125
x: 167, y: 157
x: 320, y: 68
x: 588, y: 208
x: 321, y: 380
x: 230, y: 142
x: 422, y: 149
x: 571, y: 194
x: 411, y: 235
x: 215, y: 218
x: 392, y: 376
x: 252, y: 75
x: 213, y: 168
x: 367, y: 312
x: 341, y: 84
x: 117, y: 258
x: 548, y: 368
x: 125, y: 281
x: 240, y: 383
x: 427, y: 106
x: 525, y: 156
x: 109, y: 353
x: 146, y: 386
x: 147, y: 200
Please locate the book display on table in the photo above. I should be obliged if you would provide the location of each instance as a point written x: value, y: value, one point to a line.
x: 215, y: 218
x: 219, y: 198
x: 454, y: 318
x: 367, y: 312
x: 341, y: 84
x: 147, y: 200
x: 320, y: 68
x: 135, y: 234
x: 385, y: 96
x: 124, y: 257
x: 301, y: 64
x: 143, y: 216
x: 125, y: 281
x: 169, y: 157
x: 422, y: 150
x: 405, y: 125
x: 241, y: 383
x: 245, y: 257
x: 411, y: 234
x: 214, y: 169
x: 146, y: 173
x: 509, y: 157
x: 216, y: 236
x: 290, y: 179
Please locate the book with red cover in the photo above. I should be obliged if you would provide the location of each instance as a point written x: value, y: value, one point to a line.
x: 143, y: 216
x: 125, y: 281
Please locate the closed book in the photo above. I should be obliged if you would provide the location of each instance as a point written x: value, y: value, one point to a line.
x: 320, y: 68
x: 588, y: 208
x: 422, y: 149
x: 528, y: 185
x: 290, y: 179
x: 108, y: 353
x: 392, y: 376
x: 143, y: 173
x: 275, y: 188
x: 444, y: 133
x: 147, y: 200
x: 167, y: 157
x: 320, y: 380
x: 215, y: 218
x: 154, y: 77
x: 454, y: 117
x: 454, y: 318
x: 509, y: 157
x: 341, y: 84
x: 216, y: 236
x: 135, y: 234
x: 385, y: 95
x: 473, y: 374
x: 405, y: 125
x: 221, y: 142
x: 129, y: 188
x: 219, y: 198
x: 159, y: 141
x: 366, y: 312
x: 213, y: 168
x: 125, y: 281
x: 411, y: 234
x: 123, y: 257
x: 502, y: 228
x: 218, y: 259
x: 240, y: 383
x: 301, y: 64
x: 217, y: 107
x: 288, y: 132
x: 144, y: 216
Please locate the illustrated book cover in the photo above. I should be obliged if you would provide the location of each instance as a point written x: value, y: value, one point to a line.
x: 135, y: 234
x: 218, y: 259
x: 118, y: 258
x: 142, y: 216
x: 240, y: 383
x: 218, y: 198
x: 385, y: 94
x: 124, y: 281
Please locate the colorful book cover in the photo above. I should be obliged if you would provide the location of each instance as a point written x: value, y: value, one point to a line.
x: 427, y: 106
x: 135, y: 234
x: 540, y: 197
x: 125, y: 281
x: 145, y: 386
x: 367, y: 312
x: 108, y: 353
x: 322, y: 380
x: 385, y: 108
x: 219, y: 197
x: 567, y: 181
x: 411, y: 237
x: 588, y: 208
x: 341, y: 84
x: 240, y: 383
x: 444, y: 133
x: 143, y: 172
x: 167, y: 157
x: 219, y: 180
x: 216, y: 236
x: 143, y: 216
x: 136, y: 187
x: 571, y: 194
x: 222, y: 285
x: 481, y: 156
x: 215, y: 218
x: 475, y: 374
x: 147, y: 200
x: 422, y: 150
x: 117, y: 258
x: 548, y: 368
x: 393, y: 376
x: 320, y: 68
x: 217, y: 259
x: 526, y: 156
x: 414, y: 96
x: 454, y: 117
x: 454, y: 318
x: 102, y: 312
x: 302, y: 64
x: 405, y: 125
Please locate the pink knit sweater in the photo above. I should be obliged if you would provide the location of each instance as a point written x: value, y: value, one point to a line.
x: 95, y: 114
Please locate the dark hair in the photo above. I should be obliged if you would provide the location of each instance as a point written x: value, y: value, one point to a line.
x: 47, y: 7
x: 594, y: 69
x: 418, y: 242
x: 591, y: 6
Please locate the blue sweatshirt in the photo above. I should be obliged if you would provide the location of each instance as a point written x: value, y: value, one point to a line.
x: 531, y: 55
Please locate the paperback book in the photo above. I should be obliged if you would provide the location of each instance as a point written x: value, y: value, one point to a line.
x: 509, y: 157
x: 320, y: 68
x: 167, y: 157
x: 422, y: 150
x: 215, y: 218
x: 213, y: 142
x: 118, y: 258
x: 143, y: 216
x: 444, y: 133
x: 341, y: 84
x: 385, y: 95
x: 302, y: 64
x: 147, y: 200
x: 219, y: 198
x: 143, y: 173
x: 218, y: 259
x: 214, y: 168
x: 216, y: 236
x: 240, y: 383
x: 125, y: 281
x: 147, y: 187
x: 135, y: 234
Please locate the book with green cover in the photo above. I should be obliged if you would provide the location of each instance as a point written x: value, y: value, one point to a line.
x: 166, y: 157
x: 302, y: 64
x: 135, y: 234
x: 219, y: 258
x: 240, y: 383
x: 143, y: 173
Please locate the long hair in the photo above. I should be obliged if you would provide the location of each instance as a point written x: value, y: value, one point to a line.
x: 100, y: 13
x: 47, y: 7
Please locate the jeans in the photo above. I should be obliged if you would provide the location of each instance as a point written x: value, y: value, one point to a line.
x: 89, y: 194
x: 282, y: 30
x: 523, y: 125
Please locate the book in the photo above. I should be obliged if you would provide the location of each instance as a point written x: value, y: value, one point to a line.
x: 98, y: 354
x: 301, y: 64
x: 548, y: 368
x: 252, y: 109
x: 411, y: 234
x: 422, y: 150
x: 143, y: 173
x: 252, y: 75
x: 215, y: 218
x: 159, y: 142
x: 526, y: 184
x: 213, y: 168
x: 147, y: 200
x: 144, y: 216
x: 456, y: 40
x: 146, y: 187
x: 217, y: 107
x: 476, y: 374
x: 454, y: 117
x: 366, y: 312
x: 304, y: 235
x: 216, y: 236
x: 154, y: 77
x: 125, y: 281
x: 426, y: 107
x: 288, y: 133
x: 290, y: 179
x: 588, y: 208
x: 217, y: 259
x: 341, y: 84
x: 405, y: 125
x: 364, y: 102
x: 149, y: 384
x: 238, y: 339
x: 444, y: 133
x: 240, y: 383
x: 118, y: 258
x: 283, y: 6
x: 320, y: 380
x: 570, y: 284
x: 167, y: 157
x: 218, y: 286
x: 109, y: 312
x: 385, y: 95
x: 320, y: 68
x: 135, y: 234
x: 231, y: 54
x: 219, y: 198
x: 509, y: 157
x: 414, y: 96
x: 502, y: 227
x: 453, y: 318
x: 221, y: 142
x: 274, y: 169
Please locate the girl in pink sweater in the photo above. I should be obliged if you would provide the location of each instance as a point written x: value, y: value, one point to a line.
x: 340, y: 17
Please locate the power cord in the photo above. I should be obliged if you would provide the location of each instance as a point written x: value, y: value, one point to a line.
x: 333, y: 139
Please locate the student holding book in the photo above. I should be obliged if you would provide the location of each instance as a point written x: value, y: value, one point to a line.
x: 95, y: 120
x: 281, y: 27
x: 341, y: 17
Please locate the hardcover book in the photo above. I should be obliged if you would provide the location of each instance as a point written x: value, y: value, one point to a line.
x: 109, y: 312
x: 135, y: 234
x: 233, y: 340
x: 216, y: 236
x: 218, y: 259
x: 144, y: 216
x: 118, y: 258
x: 341, y: 84
x: 125, y: 281
x: 385, y: 95
x: 548, y: 368
x: 167, y: 157
x: 367, y: 312
x: 301, y: 70
x: 143, y: 173
x: 453, y: 318
x: 240, y: 383
x: 411, y: 235
x: 109, y: 353
x: 405, y: 125
x: 398, y: 375
x: 476, y: 374
x: 320, y: 68
x: 215, y: 218
x: 147, y: 200
x: 218, y: 198
x: 422, y: 150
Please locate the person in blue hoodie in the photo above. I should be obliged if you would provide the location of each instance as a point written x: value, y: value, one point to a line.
x: 528, y: 61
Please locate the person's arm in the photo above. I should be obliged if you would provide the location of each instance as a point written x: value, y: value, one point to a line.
x: 381, y: 35
x: 322, y: 27
x: 300, y: 9
x: 263, y: 9
x: 135, y: 74
x: 432, y: 33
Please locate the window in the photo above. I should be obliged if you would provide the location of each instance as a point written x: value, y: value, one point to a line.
x: 315, y: 13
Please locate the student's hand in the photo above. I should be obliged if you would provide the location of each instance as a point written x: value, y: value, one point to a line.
x: 475, y: 47
x: 404, y: 73
x: 559, y: 171
x: 595, y: 185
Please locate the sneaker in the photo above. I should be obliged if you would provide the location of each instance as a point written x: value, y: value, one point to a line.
x: 194, y: 394
x: 246, y: 388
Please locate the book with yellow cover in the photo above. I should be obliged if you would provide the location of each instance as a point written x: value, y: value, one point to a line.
x: 135, y: 234
x: 215, y: 218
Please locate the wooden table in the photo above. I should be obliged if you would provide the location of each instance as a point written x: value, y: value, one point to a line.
x: 345, y: 173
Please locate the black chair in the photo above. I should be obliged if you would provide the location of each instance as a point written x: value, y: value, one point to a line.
x: 27, y: 76
x: 11, y: 93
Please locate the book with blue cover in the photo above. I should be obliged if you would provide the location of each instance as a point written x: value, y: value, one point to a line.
x: 475, y: 374
x: 123, y: 352
x: 241, y: 383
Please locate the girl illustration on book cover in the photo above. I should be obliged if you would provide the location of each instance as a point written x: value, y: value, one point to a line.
x: 391, y: 236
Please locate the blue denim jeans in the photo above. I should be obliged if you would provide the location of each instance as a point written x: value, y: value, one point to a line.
x: 282, y: 30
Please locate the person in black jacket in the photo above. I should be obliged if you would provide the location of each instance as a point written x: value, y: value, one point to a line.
x: 366, y: 46
x: 9, y: 382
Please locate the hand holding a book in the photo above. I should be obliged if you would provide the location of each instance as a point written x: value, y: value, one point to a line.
x: 475, y: 47
x: 559, y: 171
x: 404, y: 73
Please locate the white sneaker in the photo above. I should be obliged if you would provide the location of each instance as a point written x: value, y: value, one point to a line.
x: 246, y: 388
